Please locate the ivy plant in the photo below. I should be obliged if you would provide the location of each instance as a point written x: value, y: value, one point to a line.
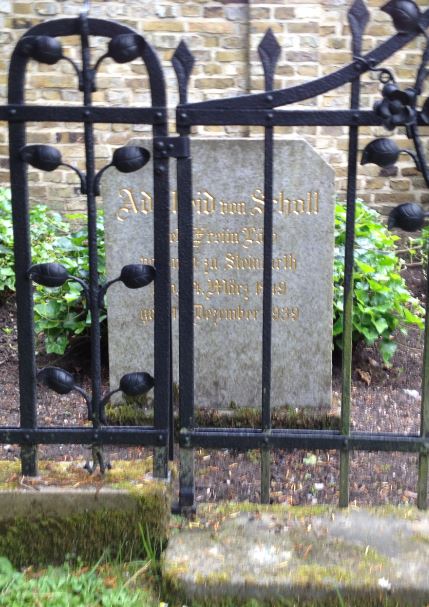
x: 382, y: 302
x: 59, y: 313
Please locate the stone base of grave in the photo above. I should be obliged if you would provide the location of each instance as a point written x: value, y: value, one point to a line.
x: 133, y: 414
x: 67, y: 514
x: 301, y: 556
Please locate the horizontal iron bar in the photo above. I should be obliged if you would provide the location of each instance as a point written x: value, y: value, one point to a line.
x: 52, y: 113
x: 215, y: 438
x: 123, y: 435
x: 188, y: 117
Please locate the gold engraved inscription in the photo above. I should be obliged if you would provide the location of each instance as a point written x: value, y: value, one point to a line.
x: 216, y: 315
x: 309, y: 205
x: 245, y: 243
x: 235, y: 261
x: 206, y: 204
x: 142, y: 202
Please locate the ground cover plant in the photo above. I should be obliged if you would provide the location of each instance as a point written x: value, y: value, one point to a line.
x: 107, y: 585
x: 382, y: 301
x: 59, y: 313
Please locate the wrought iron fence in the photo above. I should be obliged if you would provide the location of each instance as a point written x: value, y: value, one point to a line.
x: 396, y: 108
x: 41, y: 44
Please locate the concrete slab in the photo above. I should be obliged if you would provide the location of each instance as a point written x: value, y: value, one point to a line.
x: 302, y: 554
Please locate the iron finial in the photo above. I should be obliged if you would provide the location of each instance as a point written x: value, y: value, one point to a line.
x: 269, y: 53
x: 358, y: 16
x: 183, y: 62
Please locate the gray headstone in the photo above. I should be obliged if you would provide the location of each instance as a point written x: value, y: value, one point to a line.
x: 228, y: 247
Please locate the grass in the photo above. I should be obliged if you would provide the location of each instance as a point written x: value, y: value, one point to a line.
x: 104, y: 585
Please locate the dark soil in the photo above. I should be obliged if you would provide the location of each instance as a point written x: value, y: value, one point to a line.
x: 384, y: 400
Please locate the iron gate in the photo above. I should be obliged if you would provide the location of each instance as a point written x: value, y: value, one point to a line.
x: 397, y: 108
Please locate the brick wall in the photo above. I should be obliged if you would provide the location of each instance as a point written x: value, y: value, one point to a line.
x: 223, y: 35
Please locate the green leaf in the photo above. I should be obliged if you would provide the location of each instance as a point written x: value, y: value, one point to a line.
x: 310, y: 460
x: 365, y: 267
x: 380, y: 324
x: 387, y: 350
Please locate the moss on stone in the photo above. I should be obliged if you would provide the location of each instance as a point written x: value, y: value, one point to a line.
x: 73, y: 474
x: 131, y: 414
x: 36, y: 538
x: 220, y: 510
x: 322, y: 569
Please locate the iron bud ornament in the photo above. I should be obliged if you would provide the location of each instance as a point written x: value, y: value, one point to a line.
x: 408, y: 217
x: 130, y: 158
x: 43, y: 157
x: 396, y: 108
x: 44, y: 49
x: 125, y: 47
x: 48, y: 274
x: 135, y: 276
x: 56, y: 379
x: 384, y: 152
x: 405, y: 14
x: 136, y: 384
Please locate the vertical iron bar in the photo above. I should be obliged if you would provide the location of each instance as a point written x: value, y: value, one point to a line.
x: 162, y: 304
x: 267, y: 311
x: 171, y: 405
x: 87, y: 84
x: 22, y: 261
x: 24, y: 294
x: 186, y: 327
x: 423, y: 466
x: 348, y: 288
x: 265, y: 475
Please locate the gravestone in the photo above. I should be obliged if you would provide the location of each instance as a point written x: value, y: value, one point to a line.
x: 228, y: 205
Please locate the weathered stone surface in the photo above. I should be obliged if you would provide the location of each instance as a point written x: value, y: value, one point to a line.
x: 66, y: 512
x: 368, y: 556
x: 228, y: 253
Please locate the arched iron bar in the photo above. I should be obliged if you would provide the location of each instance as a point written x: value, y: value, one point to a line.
x: 96, y: 27
x: 294, y: 94
x: 158, y: 435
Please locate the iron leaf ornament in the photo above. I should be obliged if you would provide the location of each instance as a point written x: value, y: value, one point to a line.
x: 48, y: 158
x: 126, y: 159
x: 125, y: 47
x: 56, y: 379
x: 136, y: 276
x: 183, y: 63
x: 48, y: 274
x: 43, y: 49
x: 43, y: 157
x: 408, y: 217
x: 405, y: 14
x: 269, y: 52
x: 130, y: 158
x: 136, y: 384
x: 62, y: 382
x: 384, y: 152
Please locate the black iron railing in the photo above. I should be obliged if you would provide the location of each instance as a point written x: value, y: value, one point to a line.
x: 41, y: 44
x: 396, y: 108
